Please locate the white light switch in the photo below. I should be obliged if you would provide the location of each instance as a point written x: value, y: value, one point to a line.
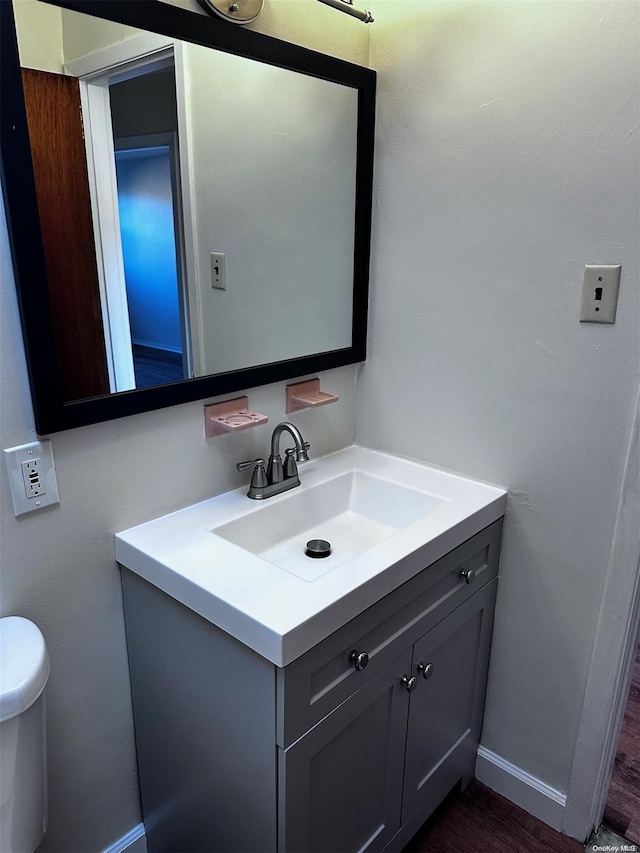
x: 218, y: 271
x: 32, y: 476
x: 600, y: 293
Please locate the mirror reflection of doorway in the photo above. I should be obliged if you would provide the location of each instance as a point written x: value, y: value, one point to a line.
x: 145, y: 141
x: 150, y: 253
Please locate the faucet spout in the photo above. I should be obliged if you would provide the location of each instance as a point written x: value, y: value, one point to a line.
x: 275, y: 470
x: 301, y: 445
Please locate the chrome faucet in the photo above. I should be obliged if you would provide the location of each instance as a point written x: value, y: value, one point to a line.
x: 278, y: 477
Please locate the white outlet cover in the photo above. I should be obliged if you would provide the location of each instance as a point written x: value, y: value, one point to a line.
x: 47, y: 493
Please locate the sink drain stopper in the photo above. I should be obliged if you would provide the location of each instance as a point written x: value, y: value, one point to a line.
x: 318, y: 548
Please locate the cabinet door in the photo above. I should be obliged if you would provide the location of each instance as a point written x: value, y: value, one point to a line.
x: 445, y: 712
x: 341, y: 783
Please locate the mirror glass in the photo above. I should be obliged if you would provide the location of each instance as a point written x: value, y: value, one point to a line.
x: 197, y: 207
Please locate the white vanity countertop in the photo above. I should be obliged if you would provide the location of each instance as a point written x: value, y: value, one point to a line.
x: 273, y: 611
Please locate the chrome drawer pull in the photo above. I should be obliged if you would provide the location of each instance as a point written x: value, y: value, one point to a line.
x: 409, y: 683
x: 359, y: 659
x: 426, y: 669
x: 468, y: 575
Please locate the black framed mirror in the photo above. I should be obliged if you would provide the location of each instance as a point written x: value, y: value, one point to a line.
x: 267, y: 195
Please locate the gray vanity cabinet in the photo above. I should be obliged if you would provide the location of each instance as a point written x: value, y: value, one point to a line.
x: 236, y: 754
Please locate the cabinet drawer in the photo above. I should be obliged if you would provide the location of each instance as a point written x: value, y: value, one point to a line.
x: 318, y: 681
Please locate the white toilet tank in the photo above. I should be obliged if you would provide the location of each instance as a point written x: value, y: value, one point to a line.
x: 24, y: 670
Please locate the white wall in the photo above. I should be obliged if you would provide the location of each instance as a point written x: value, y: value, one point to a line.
x: 58, y: 567
x: 507, y: 158
x: 82, y: 34
x: 272, y: 166
x: 39, y: 29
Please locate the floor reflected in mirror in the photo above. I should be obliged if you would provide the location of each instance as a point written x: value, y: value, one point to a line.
x: 156, y: 366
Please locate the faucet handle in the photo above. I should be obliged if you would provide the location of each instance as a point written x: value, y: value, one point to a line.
x: 245, y: 466
x: 258, y: 480
x: 290, y: 468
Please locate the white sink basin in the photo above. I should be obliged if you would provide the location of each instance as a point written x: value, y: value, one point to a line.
x: 240, y: 563
x: 352, y: 512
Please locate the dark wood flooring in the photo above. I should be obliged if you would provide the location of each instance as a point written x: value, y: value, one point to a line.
x: 156, y: 366
x: 481, y: 821
x: 622, y: 812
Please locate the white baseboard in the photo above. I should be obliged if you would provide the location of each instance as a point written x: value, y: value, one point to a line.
x: 518, y: 786
x: 521, y: 788
x: 135, y: 841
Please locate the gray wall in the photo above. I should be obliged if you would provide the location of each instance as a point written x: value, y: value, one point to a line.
x: 57, y: 566
x: 507, y: 158
x: 145, y: 104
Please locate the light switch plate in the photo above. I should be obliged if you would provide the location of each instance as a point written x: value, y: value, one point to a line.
x: 600, y: 293
x: 32, y: 476
x: 218, y: 271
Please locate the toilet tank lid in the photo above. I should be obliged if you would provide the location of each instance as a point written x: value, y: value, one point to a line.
x: 24, y: 665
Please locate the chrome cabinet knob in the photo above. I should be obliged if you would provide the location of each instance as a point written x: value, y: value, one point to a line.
x: 359, y: 659
x: 409, y: 683
x: 468, y: 575
x: 426, y: 669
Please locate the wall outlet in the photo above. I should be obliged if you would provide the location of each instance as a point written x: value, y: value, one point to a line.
x: 218, y: 271
x: 33, y: 482
x: 32, y: 476
x: 600, y: 293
